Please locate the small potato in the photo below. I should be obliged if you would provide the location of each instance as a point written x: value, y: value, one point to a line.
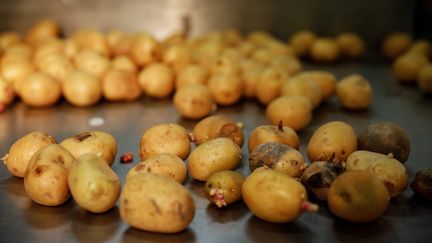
x: 354, y: 92
x: 162, y: 164
x: 224, y: 64
x: 119, y: 85
x: 224, y: 187
x: 81, y: 89
x: 325, y: 50
x: 279, y: 157
x: 45, y: 179
x: 289, y: 63
x: 165, y: 138
x: 194, y: 101
x: 395, y: 44
x: 218, y: 127
x: 269, y: 84
x: 23, y: 149
x: 157, y: 80
x: 318, y: 177
x: 40, y: 90
x: 251, y: 72
x: 7, y: 94
x: 325, y: 80
x: 92, y: 62
x: 226, y: 89
x: 302, y: 42
x: 145, y: 50
x: 333, y: 141
x: 271, y: 133
x: 350, y: 44
x: 212, y: 156
x: 93, y: 184
x: 42, y: 30
x: 232, y: 37
x: 275, y: 197
x: 293, y: 111
x: 99, y: 143
x: 387, y: 169
x: 424, y: 79
x: 56, y: 65
x: 16, y: 70
x: 124, y: 63
x: 408, y: 66
x: 93, y: 40
x: 156, y: 203
x: 421, y: 185
x: 192, y: 73
x: 386, y: 138
x: 298, y: 86
x: 177, y: 57
x: 119, y: 43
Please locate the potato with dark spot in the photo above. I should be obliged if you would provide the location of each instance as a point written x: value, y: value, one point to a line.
x: 299, y: 86
x: 293, y: 111
x: 218, y: 127
x: 157, y: 80
x: 99, y: 143
x: 424, y: 79
x: 194, y: 101
x: 358, y: 196
x: 422, y: 184
x: 93, y: 184
x: 165, y: 138
x: 386, y: 138
x: 46, y: 177
x: 278, y: 157
x: 156, y: 203
x: 224, y: 187
x: 354, y: 92
x: 318, y: 177
x: 162, y: 164
x: 23, y: 149
x: 271, y: 133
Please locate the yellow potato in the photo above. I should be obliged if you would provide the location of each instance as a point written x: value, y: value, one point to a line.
x: 92, y: 62
x: 119, y: 43
x: 119, y: 85
x: 224, y: 187
x: 333, y: 141
x: 217, y: 127
x: 269, y: 84
x: 93, y: 184
x: 177, y: 56
x: 41, y: 31
x: 16, y: 70
x: 8, y: 38
x: 194, y: 101
x: 224, y: 64
x: 325, y: 50
x: 354, y: 92
x: 39, y: 90
x: 157, y: 80
x: 156, y: 203
x: 350, y: 44
x: 225, y: 88
x: 93, y: 40
x: 421, y: 46
x: 302, y: 42
x: 326, y: 81
x: 56, y: 65
x: 81, y: 88
x: 271, y: 133
x: 293, y: 111
x: 45, y: 179
x: 289, y: 63
x: 395, y: 44
x: 192, y: 73
x: 298, y: 86
x: 212, y: 156
x: 251, y: 72
x: 124, y: 63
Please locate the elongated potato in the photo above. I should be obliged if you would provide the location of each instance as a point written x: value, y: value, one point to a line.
x: 272, y: 133
x: 224, y: 187
x: 119, y: 85
x: 45, y: 179
x: 212, y: 156
x: 157, y: 80
x: 156, y: 203
x: 81, y: 88
x: 93, y: 184
x: 302, y: 42
x: 293, y: 111
x: 218, y: 127
x: 333, y: 141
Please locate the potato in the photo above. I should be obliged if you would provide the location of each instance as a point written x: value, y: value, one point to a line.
x: 421, y: 185
x: 226, y: 89
x: 92, y: 62
x: 251, y: 72
x: 387, y: 169
x: 99, y: 143
x: 325, y: 80
x: 93, y: 40
x: 424, y: 79
x: 224, y: 187
x: 232, y: 37
x: 177, y: 56
x: 40, y: 90
x: 262, y: 55
x: 156, y: 203
x: 157, y: 80
x: 165, y: 138
x: 45, y: 179
x: 42, y: 30
x: 224, y: 64
x: 119, y: 43
x: 269, y: 84
x: 192, y: 73
x: 289, y: 63
x: 145, y: 50
x: 298, y: 86
x: 275, y: 197
x: 318, y: 177
x: 218, y: 127
x: 7, y: 94
x: 293, y: 111
x: 212, y: 156
x: 354, y: 92
x: 119, y: 85
x: 271, y: 133
x: 194, y: 101
x: 279, y: 157
x: 302, y: 42
x: 8, y: 38
x: 422, y: 46
x: 408, y: 66
x: 162, y: 164
x: 56, y: 65
x: 395, y: 44
x: 93, y: 184
x: 325, y: 50
x: 333, y: 141
x: 81, y: 89
x: 350, y: 44
x: 124, y: 63
x: 386, y: 138
x: 16, y: 70
x: 23, y: 149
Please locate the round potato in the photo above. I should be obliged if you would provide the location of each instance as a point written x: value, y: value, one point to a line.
x: 192, y: 73
x: 325, y: 80
x: 298, y: 86
x: 318, y: 177
x: 408, y: 66
x: 124, y: 63
x: 119, y: 43
x: 395, y: 44
x: 224, y: 187
x: 56, y: 65
x: 157, y: 80
x: 177, y: 56
x: 119, y: 85
x: 81, y: 89
x: 269, y: 84
x: 145, y: 50
x: 92, y: 62
x: 293, y: 111
x: 302, y: 42
x: 421, y: 185
x: 424, y: 79
x: 194, y: 101
x: 40, y: 90
x: 225, y: 88
x: 93, y: 40
x: 16, y: 70
x: 250, y: 75
x: 354, y: 92
x: 350, y: 44
x: 325, y: 50
x: 224, y: 64
x: 291, y: 64
x: 218, y: 127
x: 42, y: 30
x: 271, y: 133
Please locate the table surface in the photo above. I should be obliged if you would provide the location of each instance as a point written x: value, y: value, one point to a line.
x: 406, y: 220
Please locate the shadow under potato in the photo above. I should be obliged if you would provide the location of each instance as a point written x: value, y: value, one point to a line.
x: 46, y: 217
x: 136, y: 235
x: 230, y: 213
x: 378, y: 228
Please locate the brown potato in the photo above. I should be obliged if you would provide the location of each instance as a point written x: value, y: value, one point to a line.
x: 224, y: 187
x: 92, y: 62
x: 350, y: 44
x: 119, y: 85
x: 45, y: 179
x: 271, y: 133
x: 23, y: 149
x: 318, y: 177
x: 145, y: 50
x: 226, y: 89
x: 269, y: 84
x: 157, y: 80
x: 293, y: 111
x: 165, y: 138
x: 218, y: 127
x: 326, y: 81
x: 16, y: 70
x: 354, y: 92
x: 194, y: 101
x: 333, y: 141
x: 192, y: 73
x: 325, y: 50
x: 289, y: 63
x: 100, y: 143
x: 421, y: 46
x: 424, y: 79
x: 8, y: 38
x: 407, y: 67
x: 41, y: 31
x: 395, y: 44
x: 421, y: 185
x: 40, y: 90
x: 298, y: 86
x: 81, y: 89
x: 302, y: 42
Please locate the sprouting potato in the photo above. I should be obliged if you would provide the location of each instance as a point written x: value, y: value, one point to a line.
x: 124, y: 63
x: 224, y: 64
x: 298, y: 86
x: 156, y: 203
x: 119, y: 85
x: 157, y: 80
x: 293, y: 111
x: 194, y: 101
x: 354, y: 92
x: 41, y: 31
x: 40, y: 90
x: 92, y: 62
x: 387, y: 169
x: 212, y: 156
x: 45, y: 179
x: 269, y: 84
x: 99, y: 143
x: 407, y: 67
x: 333, y: 141
x: 93, y: 40
x: 302, y: 42
x: 165, y: 138
x: 81, y: 88
x: 23, y: 149
x: 395, y: 44
x: 162, y: 164
x: 326, y: 81
x: 279, y: 157
x: 216, y: 127
x: 177, y: 56
x: 192, y: 73
x: 224, y: 187
x: 424, y: 79
x: 145, y: 50
x: 251, y: 72
x: 226, y: 89
x: 275, y: 197
x: 350, y: 44
x: 325, y: 50
x: 93, y: 184
x: 272, y: 133
x: 318, y: 177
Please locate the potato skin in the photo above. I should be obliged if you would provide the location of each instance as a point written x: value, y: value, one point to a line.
x: 271, y: 133
x: 194, y: 101
x: 293, y: 111
x: 387, y: 169
x: 224, y: 187
x: 162, y: 164
x: 156, y: 203
x: 39, y: 90
x: 119, y: 85
x: 385, y: 138
x: 212, y: 156
x: 354, y: 92
x: 333, y: 141
x: 45, y: 179
x: 216, y: 127
x: 21, y: 152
